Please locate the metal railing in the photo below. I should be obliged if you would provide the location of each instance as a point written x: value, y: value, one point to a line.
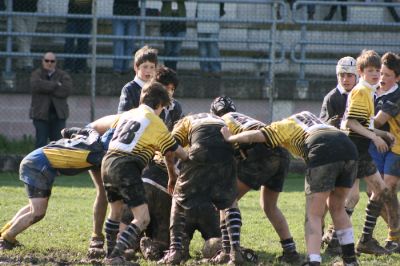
x: 300, y: 49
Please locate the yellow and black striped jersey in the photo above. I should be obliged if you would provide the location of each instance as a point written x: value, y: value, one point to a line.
x: 82, y: 151
x: 139, y: 133
x: 360, y: 106
x: 292, y: 133
x: 238, y: 122
x: 202, y: 133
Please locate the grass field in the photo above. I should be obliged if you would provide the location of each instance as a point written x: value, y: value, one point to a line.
x: 61, y: 238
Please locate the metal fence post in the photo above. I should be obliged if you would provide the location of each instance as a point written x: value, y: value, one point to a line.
x: 270, y: 82
x: 8, y: 75
x: 93, y: 59
x: 142, y: 22
x: 302, y: 83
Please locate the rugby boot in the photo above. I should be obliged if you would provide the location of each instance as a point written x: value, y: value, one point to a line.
x: 249, y: 255
x: 172, y: 257
x: 96, y: 250
x: 220, y: 258
x: 151, y: 250
x: 311, y: 263
x: 392, y: 246
x: 120, y: 260
x: 130, y: 254
x: 7, y: 245
x: 371, y: 247
x: 333, y: 248
x: 342, y: 263
x: 289, y: 257
x: 236, y: 256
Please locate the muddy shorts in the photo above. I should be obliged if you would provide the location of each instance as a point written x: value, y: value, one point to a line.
x: 366, y: 166
x: 205, y: 219
x: 37, y: 174
x: 264, y: 167
x: 122, y: 180
x: 206, y: 182
x: 328, y: 176
x: 34, y: 192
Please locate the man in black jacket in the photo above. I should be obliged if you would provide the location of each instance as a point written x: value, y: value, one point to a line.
x: 49, y: 108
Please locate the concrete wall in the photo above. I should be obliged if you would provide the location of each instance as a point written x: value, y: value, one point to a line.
x: 15, y: 122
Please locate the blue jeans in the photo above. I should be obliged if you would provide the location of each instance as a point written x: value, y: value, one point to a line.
x: 123, y: 47
x: 209, y: 49
x: 78, y: 26
x: 48, y: 130
x: 172, y: 48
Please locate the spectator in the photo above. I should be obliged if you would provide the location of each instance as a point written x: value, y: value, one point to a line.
x: 310, y: 8
x: 77, y: 26
x: 49, y: 109
x: 173, y: 8
x: 124, y: 27
x: 144, y: 65
x: 332, y: 11
x: 208, y: 30
x: 25, y: 24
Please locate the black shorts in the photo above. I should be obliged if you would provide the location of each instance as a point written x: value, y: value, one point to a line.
x: 34, y: 192
x: 206, y: 182
x: 264, y: 167
x: 366, y: 166
x: 328, y: 176
x: 122, y: 180
x: 205, y: 219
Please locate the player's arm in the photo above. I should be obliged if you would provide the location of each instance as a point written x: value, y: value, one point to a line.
x: 101, y: 125
x: 380, y: 119
x: 244, y: 137
x: 380, y: 144
x: 169, y: 160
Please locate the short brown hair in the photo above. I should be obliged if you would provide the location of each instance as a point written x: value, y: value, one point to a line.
x: 154, y: 94
x: 145, y: 54
x: 392, y: 61
x: 368, y: 58
x: 166, y: 76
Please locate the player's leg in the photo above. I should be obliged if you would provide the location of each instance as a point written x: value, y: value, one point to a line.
x: 38, y: 200
x: 315, y: 206
x: 175, y: 253
x: 99, y: 214
x: 367, y: 244
x: 342, y: 223
x: 268, y: 202
x: 392, y: 180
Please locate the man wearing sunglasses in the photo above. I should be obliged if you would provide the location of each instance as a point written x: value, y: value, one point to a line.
x: 50, y: 88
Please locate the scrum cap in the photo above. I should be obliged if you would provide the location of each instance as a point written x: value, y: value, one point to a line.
x: 346, y: 65
x: 222, y: 105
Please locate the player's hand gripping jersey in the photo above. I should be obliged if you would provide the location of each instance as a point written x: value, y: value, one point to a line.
x: 238, y: 123
x: 304, y: 135
x: 139, y: 133
x: 201, y: 132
